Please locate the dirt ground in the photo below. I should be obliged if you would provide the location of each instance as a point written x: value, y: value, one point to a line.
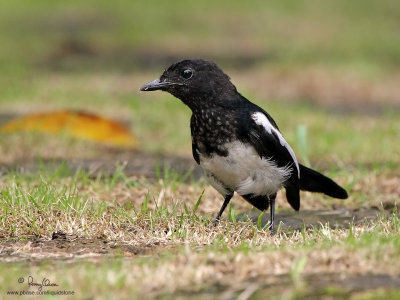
x: 71, y: 248
x: 67, y: 247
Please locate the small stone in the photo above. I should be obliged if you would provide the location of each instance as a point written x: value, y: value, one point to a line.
x: 58, y: 235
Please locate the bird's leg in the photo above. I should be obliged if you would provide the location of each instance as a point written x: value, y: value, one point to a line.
x: 272, y: 212
x: 224, y: 205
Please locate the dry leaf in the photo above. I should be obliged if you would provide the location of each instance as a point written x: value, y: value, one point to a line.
x: 74, y: 123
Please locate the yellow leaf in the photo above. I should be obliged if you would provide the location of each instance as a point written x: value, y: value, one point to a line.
x: 78, y: 124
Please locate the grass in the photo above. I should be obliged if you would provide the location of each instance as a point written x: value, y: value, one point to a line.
x: 177, y: 231
x: 225, y: 264
x: 327, y: 73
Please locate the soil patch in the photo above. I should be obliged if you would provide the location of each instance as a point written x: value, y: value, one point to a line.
x: 69, y: 247
x: 134, y: 163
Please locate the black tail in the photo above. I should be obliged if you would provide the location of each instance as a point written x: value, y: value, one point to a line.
x: 312, y: 181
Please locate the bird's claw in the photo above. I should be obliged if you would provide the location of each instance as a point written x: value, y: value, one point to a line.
x: 215, y: 222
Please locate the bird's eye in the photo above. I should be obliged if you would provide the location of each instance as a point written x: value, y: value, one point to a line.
x: 187, y: 73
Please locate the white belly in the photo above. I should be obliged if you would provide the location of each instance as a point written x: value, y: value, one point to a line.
x: 244, y: 171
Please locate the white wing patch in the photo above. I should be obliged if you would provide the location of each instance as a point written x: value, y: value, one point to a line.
x: 262, y: 120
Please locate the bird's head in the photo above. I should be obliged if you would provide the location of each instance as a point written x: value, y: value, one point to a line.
x: 195, y: 81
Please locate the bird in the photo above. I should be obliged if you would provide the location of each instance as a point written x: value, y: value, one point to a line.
x: 237, y: 143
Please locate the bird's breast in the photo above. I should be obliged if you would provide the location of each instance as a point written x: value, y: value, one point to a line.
x: 211, y: 138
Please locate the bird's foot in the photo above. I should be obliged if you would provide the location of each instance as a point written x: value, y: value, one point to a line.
x: 215, y: 222
x: 272, y: 229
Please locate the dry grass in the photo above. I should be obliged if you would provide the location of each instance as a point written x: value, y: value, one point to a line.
x: 79, y: 203
x: 230, y: 256
x: 137, y: 234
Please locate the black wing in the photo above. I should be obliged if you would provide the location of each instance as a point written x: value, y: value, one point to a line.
x: 259, y: 130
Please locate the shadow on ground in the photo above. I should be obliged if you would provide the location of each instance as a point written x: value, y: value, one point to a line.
x: 308, y: 219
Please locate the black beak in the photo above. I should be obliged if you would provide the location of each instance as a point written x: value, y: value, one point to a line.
x: 154, y: 85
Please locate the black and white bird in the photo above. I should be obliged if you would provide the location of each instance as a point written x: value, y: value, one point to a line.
x: 237, y: 143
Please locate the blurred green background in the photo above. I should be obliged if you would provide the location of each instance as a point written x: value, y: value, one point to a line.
x: 41, y: 36
x: 331, y: 66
